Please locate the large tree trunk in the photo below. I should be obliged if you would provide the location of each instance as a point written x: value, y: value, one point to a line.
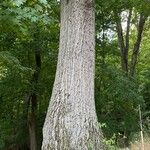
x: 71, y: 122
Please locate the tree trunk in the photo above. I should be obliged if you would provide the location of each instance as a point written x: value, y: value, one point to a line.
x: 123, y: 43
x: 32, y: 123
x: 71, y: 122
x: 33, y: 102
x: 137, y: 44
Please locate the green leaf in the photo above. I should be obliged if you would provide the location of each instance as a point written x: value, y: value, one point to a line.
x: 43, y: 1
x: 18, y: 2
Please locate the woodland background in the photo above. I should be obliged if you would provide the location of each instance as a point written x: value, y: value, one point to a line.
x: 29, y: 41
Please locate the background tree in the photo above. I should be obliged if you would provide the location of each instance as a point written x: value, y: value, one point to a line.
x: 23, y: 84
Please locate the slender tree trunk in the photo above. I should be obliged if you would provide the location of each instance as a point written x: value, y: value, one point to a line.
x: 141, y: 128
x: 71, y: 122
x: 32, y: 123
x: 33, y: 102
x: 137, y: 44
x: 127, y: 37
x: 121, y: 43
x: 124, y: 42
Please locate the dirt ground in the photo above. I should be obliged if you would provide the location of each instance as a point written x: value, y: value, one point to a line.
x: 138, y: 146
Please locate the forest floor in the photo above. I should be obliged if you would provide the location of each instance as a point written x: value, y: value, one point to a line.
x: 137, y: 145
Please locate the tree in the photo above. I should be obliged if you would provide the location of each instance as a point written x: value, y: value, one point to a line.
x: 28, y: 37
x: 124, y: 42
x: 71, y: 121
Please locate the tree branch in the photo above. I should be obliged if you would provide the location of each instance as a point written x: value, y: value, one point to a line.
x: 128, y: 30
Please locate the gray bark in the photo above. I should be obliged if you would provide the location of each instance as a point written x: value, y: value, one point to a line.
x: 71, y: 122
